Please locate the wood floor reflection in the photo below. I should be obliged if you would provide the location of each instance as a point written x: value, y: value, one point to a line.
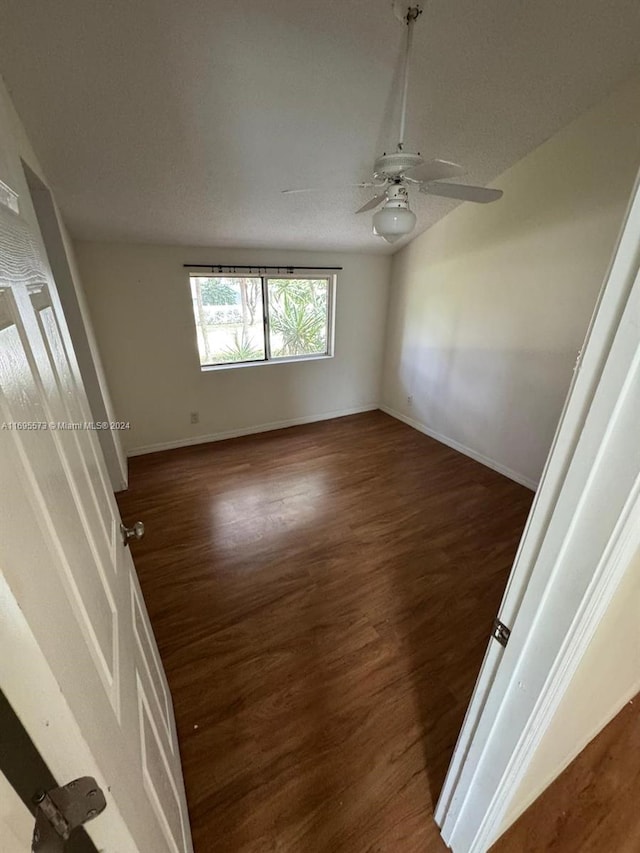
x: 322, y: 598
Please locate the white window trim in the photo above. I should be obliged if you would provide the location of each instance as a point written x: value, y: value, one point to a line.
x: 331, y: 280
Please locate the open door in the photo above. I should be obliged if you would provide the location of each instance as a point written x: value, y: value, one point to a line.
x: 78, y: 661
x: 584, y: 524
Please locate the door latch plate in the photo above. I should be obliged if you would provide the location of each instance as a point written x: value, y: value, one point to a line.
x: 60, y: 810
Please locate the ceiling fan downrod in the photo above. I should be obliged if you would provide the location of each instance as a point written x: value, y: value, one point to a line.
x: 411, y: 16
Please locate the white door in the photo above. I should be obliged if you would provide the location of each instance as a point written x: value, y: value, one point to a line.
x: 78, y: 661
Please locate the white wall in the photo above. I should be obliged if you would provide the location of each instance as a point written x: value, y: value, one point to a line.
x: 16, y: 824
x: 69, y: 286
x: 607, y: 678
x: 489, y: 308
x: 140, y: 304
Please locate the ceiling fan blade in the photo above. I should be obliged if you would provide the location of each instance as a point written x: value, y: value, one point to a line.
x: 373, y: 202
x: 305, y: 190
x: 464, y: 192
x: 435, y: 170
x: 364, y: 185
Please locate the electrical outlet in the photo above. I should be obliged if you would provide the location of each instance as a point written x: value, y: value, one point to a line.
x: 195, y: 417
x: 410, y: 400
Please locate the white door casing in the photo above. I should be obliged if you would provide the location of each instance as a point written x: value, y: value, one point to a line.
x: 79, y: 663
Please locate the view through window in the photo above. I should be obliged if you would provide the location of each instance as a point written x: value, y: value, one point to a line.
x: 260, y: 318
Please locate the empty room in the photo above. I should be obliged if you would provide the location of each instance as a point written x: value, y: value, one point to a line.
x: 319, y: 393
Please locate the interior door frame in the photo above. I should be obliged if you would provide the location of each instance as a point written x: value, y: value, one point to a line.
x: 552, y: 612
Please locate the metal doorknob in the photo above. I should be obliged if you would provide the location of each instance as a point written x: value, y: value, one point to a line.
x: 135, y: 532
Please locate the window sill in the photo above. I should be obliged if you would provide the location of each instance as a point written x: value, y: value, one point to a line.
x: 214, y: 368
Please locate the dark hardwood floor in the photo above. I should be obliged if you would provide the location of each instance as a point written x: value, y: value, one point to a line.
x: 322, y: 598
x: 593, y: 806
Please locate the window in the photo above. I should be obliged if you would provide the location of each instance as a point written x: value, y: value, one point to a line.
x: 254, y: 318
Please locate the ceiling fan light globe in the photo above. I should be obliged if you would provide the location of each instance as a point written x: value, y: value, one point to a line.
x: 394, y: 222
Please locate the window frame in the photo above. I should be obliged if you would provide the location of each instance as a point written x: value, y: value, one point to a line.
x: 330, y: 278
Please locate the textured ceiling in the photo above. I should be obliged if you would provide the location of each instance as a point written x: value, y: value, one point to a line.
x: 180, y: 122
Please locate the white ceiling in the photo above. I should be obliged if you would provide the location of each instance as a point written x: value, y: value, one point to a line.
x: 180, y: 122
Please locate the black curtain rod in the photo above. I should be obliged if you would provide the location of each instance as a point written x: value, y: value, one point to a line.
x: 257, y: 267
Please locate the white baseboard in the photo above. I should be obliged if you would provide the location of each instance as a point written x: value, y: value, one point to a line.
x: 236, y: 433
x: 341, y: 413
x: 461, y: 448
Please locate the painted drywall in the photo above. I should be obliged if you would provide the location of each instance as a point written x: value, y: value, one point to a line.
x: 140, y: 303
x: 607, y: 678
x: 16, y: 823
x: 488, y: 309
x: 69, y: 286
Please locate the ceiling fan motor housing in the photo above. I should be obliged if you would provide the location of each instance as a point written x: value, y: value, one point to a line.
x: 397, y: 196
x: 391, y: 166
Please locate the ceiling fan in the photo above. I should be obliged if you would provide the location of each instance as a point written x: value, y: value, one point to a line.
x: 394, y: 174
